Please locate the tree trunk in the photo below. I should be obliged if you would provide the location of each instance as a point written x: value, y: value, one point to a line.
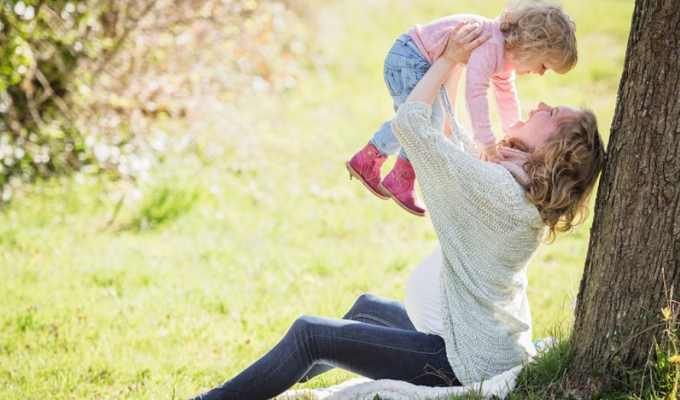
x: 632, y: 269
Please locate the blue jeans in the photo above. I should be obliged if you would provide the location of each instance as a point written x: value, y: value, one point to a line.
x: 374, y: 339
x: 404, y: 67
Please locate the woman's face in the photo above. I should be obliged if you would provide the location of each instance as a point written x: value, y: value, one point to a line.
x: 542, y: 124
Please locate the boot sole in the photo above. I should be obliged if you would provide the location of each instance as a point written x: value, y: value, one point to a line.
x: 355, y: 174
x: 387, y: 192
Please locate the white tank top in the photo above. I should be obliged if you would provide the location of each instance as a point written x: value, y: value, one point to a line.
x: 421, y: 297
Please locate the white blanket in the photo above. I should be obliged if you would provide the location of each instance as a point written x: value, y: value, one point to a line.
x: 366, y: 389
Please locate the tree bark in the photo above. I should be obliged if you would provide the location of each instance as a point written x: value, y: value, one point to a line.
x: 632, y: 269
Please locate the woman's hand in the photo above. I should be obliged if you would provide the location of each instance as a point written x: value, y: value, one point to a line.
x: 462, y: 40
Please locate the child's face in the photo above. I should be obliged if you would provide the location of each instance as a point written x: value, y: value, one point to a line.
x: 532, y: 67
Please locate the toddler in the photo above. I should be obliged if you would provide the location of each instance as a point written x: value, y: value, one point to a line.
x: 532, y: 37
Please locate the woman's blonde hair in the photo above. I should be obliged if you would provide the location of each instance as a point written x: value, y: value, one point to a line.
x: 564, y: 172
x: 536, y: 30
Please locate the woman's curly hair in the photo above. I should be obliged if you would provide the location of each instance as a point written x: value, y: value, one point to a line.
x: 564, y: 172
x: 537, y: 30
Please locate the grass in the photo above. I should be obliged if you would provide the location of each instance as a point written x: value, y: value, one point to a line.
x: 542, y: 377
x: 164, y: 290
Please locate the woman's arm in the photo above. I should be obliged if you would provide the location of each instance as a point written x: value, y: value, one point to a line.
x: 451, y: 85
x: 427, y: 88
x: 461, y: 42
x: 441, y: 166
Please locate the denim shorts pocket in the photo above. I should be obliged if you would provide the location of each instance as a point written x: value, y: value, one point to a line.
x: 413, y: 76
x: 393, y: 81
x: 401, y: 81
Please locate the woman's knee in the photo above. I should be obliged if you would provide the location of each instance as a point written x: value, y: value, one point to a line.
x: 309, y: 336
x: 363, y: 304
x: 303, y: 323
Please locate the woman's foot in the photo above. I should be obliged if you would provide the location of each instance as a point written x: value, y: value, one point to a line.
x: 366, y: 166
x: 399, y: 184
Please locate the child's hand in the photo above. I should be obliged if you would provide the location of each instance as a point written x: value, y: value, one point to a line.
x: 491, y: 154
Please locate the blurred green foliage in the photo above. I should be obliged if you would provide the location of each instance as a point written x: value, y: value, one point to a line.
x: 163, y: 203
x: 40, y: 45
x: 83, y: 83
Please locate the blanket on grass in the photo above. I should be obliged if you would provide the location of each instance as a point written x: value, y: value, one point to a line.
x: 366, y: 389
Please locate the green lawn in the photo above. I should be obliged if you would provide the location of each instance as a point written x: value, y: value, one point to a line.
x: 207, y: 264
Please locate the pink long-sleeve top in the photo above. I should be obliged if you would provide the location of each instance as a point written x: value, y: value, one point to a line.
x: 487, y: 65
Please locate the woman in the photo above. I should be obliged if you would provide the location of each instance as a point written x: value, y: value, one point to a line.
x: 489, y: 218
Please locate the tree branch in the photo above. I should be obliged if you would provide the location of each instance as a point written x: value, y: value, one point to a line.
x: 109, y: 56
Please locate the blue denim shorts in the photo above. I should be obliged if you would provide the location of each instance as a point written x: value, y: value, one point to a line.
x: 404, y: 67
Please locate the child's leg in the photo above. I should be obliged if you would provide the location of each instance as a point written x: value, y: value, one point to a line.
x: 404, y: 67
x: 384, y: 140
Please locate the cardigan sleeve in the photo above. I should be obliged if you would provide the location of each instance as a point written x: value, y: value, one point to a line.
x: 484, y: 224
x: 453, y: 182
x: 469, y: 145
x: 442, y: 161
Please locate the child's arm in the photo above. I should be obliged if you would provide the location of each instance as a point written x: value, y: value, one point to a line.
x: 480, y: 70
x: 491, y: 154
x: 507, y: 102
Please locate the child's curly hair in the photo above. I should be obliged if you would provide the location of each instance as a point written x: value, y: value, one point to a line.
x: 564, y: 172
x: 535, y: 29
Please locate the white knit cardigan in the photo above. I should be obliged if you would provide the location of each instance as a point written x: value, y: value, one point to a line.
x: 488, y: 233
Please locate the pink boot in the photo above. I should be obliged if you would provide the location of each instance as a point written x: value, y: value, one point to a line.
x: 399, y: 184
x: 365, y: 166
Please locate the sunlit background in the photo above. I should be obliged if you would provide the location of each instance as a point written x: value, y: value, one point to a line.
x: 173, y: 185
